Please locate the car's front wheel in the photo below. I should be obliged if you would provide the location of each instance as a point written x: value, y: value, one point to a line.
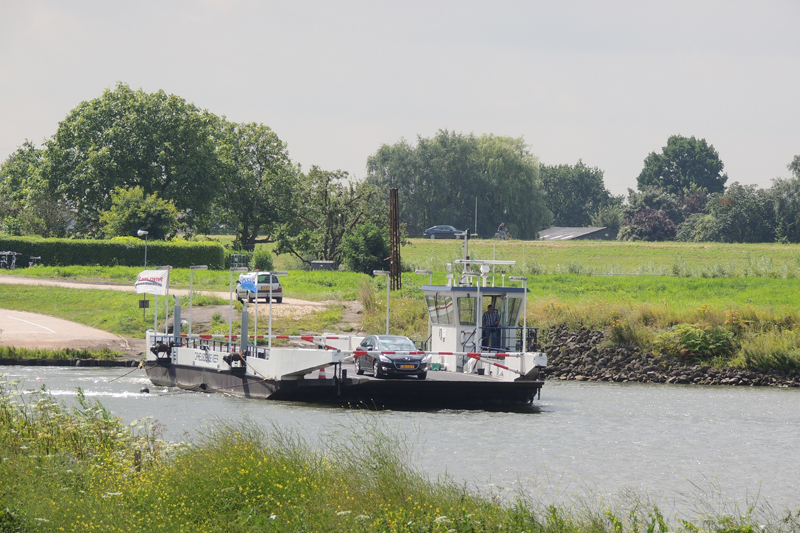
x: 433, y: 235
x: 359, y: 370
x: 376, y: 369
x: 423, y: 375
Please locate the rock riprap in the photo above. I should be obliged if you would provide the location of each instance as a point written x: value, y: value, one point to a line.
x: 576, y: 355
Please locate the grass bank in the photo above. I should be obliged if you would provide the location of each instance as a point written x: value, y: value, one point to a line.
x: 11, y: 352
x: 81, y: 469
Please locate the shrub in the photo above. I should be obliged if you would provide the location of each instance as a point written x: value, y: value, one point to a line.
x: 771, y: 349
x: 687, y: 341
x: 262, y: 260
x: 119, y: 251
x: 132, y: 210
x: 365, y: 249
x: 648, y: 225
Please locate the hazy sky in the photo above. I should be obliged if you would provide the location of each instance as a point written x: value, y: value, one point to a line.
x: 607, y: 82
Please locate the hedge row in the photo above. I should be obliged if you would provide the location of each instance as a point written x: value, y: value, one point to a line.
x: 120, y: 251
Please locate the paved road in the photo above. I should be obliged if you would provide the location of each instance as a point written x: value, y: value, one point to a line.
x: 31, y: 330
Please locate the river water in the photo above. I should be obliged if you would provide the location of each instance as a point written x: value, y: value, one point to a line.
x: 675, y: 445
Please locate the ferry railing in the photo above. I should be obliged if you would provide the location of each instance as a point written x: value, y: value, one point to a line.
x: 510, y: 340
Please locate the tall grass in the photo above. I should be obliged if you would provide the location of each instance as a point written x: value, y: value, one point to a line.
x: 11, y: 352
x: 80, y: 469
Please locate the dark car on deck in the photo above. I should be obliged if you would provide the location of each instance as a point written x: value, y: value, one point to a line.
x: 442, y: 232
x: 409, y: 361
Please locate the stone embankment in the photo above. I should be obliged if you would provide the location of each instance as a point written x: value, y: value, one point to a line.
x: 575, y: 355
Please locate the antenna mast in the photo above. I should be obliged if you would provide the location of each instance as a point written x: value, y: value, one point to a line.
x: 395, y: 272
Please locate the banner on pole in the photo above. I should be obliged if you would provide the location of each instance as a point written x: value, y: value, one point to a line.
x: 152, y: 282
x: 249, y: 281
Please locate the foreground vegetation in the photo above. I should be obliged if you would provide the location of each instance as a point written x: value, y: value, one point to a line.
x: 82, y: 469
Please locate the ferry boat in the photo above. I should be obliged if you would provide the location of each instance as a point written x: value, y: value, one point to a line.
x: 468, y: 366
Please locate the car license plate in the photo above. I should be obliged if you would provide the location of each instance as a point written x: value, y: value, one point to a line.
x: 407, y: 366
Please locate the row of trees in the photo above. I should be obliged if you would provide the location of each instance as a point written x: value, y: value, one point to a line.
x: 131, y: 160
x: 440, y: 179
x: 682, y: 196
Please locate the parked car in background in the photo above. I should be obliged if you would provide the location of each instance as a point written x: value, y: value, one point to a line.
x: 443, y: 232
x: 391, y: 364
x: 263, y: 289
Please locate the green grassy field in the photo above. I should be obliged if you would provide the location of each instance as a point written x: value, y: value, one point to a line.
x: 612, y: 257
x: 638, y: 292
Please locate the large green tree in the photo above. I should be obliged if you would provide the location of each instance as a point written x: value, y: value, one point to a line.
x: 794, y: 166
x: 127, y: 139
x: 684, y: 163
x: 786, y: 197
x: 440, y: 179
x: 329, y: 207
x: 257, y: 182
x: 27, y: 205
x: 744, y: 213
x: 573, y: 193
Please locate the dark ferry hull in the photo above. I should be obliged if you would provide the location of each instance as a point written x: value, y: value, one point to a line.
x: 444, y: 390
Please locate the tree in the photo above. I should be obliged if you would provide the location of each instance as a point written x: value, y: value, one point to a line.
x: 609, y: 216
x: 27, y: 205
x: 743, y: 214
x: 655, y: 199
x: 132, y: 210
x: 512, y: 190
x: 127, y: 139
x: 573, y: 193
x: 440, y: 178
x: 20, y: 172
x: 648, y: 225
x: 786, y: 197
x: 258, y: 182
x: 794, y: 166
x: 365, y: 249
x: 682, y: 164
x: 328, y: 207
x: 698, y: 227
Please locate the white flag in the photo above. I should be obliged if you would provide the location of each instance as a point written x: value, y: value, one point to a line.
x: 152, y: 282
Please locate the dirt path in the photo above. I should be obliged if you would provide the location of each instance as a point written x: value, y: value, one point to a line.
x: 289, y: 306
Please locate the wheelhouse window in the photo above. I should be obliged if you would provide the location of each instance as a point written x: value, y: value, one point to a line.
x: 440, y: 309
x: 513, y: 310
x: 466, y: 311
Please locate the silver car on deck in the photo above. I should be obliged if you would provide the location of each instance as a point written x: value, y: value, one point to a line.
x: 263, y: 289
